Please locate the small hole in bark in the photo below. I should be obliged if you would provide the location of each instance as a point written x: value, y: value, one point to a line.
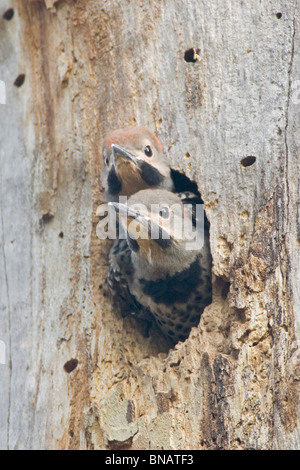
x: 19, y: 80
x: 278, y: 15
x: 225, y: 289
x: 240, y: 315
x: 61, y: 235
x: 70, y: 365
x: 191, y: 55
x: 47, y: 217
x: 8, y: 14
x: 248, y: 161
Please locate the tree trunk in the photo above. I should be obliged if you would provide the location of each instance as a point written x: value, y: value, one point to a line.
x: 219, y: 83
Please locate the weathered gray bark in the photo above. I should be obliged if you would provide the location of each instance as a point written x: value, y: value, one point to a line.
x: 91, y: 66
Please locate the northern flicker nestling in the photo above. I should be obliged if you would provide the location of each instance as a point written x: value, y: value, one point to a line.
x: 133, y: 159
x: 165, y: 277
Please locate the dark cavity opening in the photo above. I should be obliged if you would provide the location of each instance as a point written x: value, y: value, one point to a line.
x: 183, y: 183
x: 70, y: 365
x: 248, y: 161
x: 8, y: 14
x: 191, y: 55
x: 61, y: 235
x: 19, y: 80
x: 278, y: 15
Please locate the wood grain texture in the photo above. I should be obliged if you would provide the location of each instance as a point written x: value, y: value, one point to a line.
x: 77, y: 375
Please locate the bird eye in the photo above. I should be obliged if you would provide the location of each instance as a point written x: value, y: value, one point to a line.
x: 106, y: 160
x: 164, y: 213
x: 148, y: 151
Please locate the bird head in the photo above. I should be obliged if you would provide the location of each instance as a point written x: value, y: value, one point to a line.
x: 133, y: 160
x: 159, y: 229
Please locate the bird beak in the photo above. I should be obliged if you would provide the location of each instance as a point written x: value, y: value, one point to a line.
x: 130, y: 213
x: 122, y: 155
x: 149, y: 229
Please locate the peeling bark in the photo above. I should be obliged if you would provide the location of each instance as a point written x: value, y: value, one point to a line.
x: 78, y: 375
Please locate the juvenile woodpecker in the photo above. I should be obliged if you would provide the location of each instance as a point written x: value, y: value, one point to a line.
x: 133, y: 159
x: 166, y: 275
